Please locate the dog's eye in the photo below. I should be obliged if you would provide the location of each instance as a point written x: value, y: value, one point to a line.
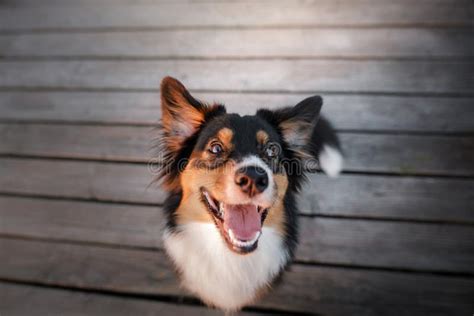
x: 272, y: 150
x: 216, y: 148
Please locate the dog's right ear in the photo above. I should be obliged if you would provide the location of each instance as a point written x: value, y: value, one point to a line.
x: 182, y: 115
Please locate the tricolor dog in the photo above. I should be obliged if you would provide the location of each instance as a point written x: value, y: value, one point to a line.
x: 232, y: 184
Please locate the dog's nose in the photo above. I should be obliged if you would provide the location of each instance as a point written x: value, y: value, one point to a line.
x: 252, y: 180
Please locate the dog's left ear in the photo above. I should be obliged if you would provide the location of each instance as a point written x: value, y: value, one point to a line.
x: 296, y: 124
x: 182, y: 115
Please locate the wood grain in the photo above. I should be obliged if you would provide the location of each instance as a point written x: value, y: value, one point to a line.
x: 114, y: 224
x: 407, y: 154
x: 427, y: 247
x: 351, y: 195
x: 310, y: 76
x: 48, y: 301
x: 401, y: 154
x: 366, y: 112
x: 324, y: 290
x: 256, y: 43
x: 119, y: 143
x: 95, y: 181
x: 421, y: 198
x: 231, y: 14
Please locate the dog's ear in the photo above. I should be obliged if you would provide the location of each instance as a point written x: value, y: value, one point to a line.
x: 181, y: 114
x: 296, y: 124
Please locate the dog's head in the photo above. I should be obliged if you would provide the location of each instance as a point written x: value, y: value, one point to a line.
x: 233, y: 170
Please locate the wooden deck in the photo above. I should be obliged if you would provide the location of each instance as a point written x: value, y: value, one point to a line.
x: 80, y: 227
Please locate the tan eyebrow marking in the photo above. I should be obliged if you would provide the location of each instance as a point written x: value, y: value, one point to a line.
x: 262, y: 137
x: 225, y: 135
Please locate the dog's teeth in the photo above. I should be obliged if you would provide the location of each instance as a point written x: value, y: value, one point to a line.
x: 231, y: 235
x: 209, y: 199
x: 239, y: 243
x: 221, y: 209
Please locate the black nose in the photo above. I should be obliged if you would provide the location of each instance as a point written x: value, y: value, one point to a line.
x: 252, y: 180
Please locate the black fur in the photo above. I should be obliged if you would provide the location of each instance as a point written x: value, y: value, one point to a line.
x: 323, y: 134
x: 303, y: 118
x: 306, y: 113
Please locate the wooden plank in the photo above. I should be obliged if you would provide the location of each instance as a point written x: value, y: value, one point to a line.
x: 425, y: 247
x: 232, y: 14
x: 323, y: 290
x: 389, y: 197
x: 114, y: 224
x: 364, y: 152
x: 310, y: 76
x: 29, y: 3
x: 146, y: 2
x: 49, y: 301
x: 408, y: 154
x: 119, y: 143
x: 157, y: 2
x: 367, y: 112
x: 348, y: 242
x: 97, y: 264
x: 351, y: 195
x: 95, y: 181
x: 256, y: 43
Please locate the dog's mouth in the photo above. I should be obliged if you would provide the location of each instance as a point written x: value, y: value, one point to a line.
x: 239, y: 224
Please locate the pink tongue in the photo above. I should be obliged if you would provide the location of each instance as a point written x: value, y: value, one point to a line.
x: 244, y: 220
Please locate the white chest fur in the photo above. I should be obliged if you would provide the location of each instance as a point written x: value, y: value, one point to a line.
x: 217, y: 275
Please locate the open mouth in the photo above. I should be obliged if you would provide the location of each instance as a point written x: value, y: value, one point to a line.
x: 240, y: 224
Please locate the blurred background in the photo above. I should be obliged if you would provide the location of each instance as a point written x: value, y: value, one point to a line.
x: 80, y: 228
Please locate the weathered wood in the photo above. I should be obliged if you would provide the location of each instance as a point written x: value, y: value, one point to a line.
x: 405, y: 154
x: 48, y: 301
x: 32, y: 3
x: 119, y: 143
x: 425, y: 246
x: 365, y: 43
x: 345, y: 111
x: 310, y: 76
x: 88, y: 266
x: 390, y: 197
x: 231, y: 14
x: 324, y: 290
x: 352, y: 195
x: 115, y: 224
x: 96, y: 181
x: 367, y: 112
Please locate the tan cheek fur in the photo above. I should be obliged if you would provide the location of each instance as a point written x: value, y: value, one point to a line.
x: 191, y: 208
x: 276, y: 214
x: 192, y: 179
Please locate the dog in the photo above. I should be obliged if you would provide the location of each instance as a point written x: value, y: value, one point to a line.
x: 231, y: 183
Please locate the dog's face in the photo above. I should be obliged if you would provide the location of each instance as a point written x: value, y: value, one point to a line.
x: 232, y: 170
